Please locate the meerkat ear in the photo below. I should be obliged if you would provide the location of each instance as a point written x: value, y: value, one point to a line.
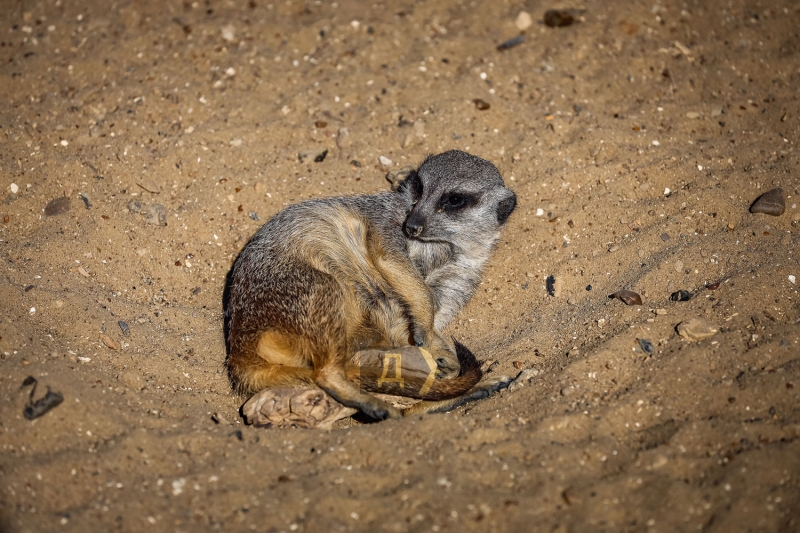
x: 399, y: 179
x: 506, y: 206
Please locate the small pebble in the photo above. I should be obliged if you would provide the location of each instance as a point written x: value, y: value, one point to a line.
x: 481, y: 105
x: 523, y: 377
x: 109, y: 342
x: 627, y: 297
x: 558, y: 18
x: 315, y: 154
x: 667, y: 191
x: 126, y: 330
x: 664, y: 237
x: 712, y: 286
x: 692, y: 115
x: 86, y: 203
x: 550, y: 284
x: 58, y: 206
x: 588, y: 287
x: 696, y: 329
x: 523, y: 21
x: 228, y: 33
x: 511, y: 43
x: 770, y: 203
x: 253, y: 215
x: 660, y: 311
x: 647, y: 346
x: 37, y: 408
x: 792, y: 279
x: 679, y: 266
x: 385, y: 161
x: 613, y: 248
x: 680, y: 296
x: 14, y: 188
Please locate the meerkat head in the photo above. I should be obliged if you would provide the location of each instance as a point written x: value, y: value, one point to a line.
x: 457, y: 198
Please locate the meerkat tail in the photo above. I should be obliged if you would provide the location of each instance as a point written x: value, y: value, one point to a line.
x: 415, y: 385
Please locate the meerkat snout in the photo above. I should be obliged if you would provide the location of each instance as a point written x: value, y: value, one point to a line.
x: 414, y: 225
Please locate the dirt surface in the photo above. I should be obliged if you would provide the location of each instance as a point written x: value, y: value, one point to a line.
x: 635, y: 139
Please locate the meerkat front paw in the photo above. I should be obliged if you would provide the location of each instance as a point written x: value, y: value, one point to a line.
x: 491, y: 384
x: 444, y: 353
x: 380, y: 410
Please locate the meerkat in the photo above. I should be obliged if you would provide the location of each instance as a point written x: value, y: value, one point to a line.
x: 325, y: 278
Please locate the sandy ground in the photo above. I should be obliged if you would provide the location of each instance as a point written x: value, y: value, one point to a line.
x: 202, y: 108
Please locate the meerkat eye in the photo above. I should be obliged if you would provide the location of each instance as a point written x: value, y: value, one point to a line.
x: 455, y: 201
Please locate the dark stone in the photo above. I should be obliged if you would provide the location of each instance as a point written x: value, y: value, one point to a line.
x: 680, y: 296
x: 647, y: 346
x: 558, y: 18
x: 770, y: 203
x: 58, y: 206
x: 628, y: 297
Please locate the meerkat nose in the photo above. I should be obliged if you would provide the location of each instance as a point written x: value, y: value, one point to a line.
x: 413, y: 228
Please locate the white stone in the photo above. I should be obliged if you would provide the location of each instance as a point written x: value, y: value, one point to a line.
x: 385, y: 161
x: 523, y: 21
x: 14, y: 188
x: 228, y: 32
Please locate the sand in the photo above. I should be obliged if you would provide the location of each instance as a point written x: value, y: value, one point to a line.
x: 636, y: 140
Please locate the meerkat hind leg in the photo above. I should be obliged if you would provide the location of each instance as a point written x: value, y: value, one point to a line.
x: 333, y: 380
